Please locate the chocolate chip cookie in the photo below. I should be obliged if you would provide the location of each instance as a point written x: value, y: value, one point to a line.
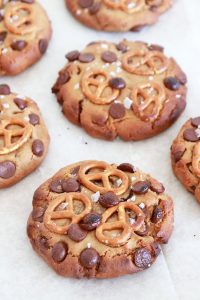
x: 25, y: 32
x: 24, y: 138
x: 185, y: 155
x: 121, y: 15
x: 131, y: 90
x: 94, y: 219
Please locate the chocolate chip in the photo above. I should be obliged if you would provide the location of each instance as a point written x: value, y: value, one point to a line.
x: 122, y: 47
x: 126, y: 167
x: 172, y: 83
x: 109, y: 57
x: 75, y: 171
x: 117, y: 110
x: 141, y: 187
x: 142, y: 258
x: 56, y: 186
x: 21, y: 104
x: 137, y: 28
x: 190, y: 135
x: 156, y: 248
x: 59, y: 252
x: 157, y: 187
x: 44, y: 244
x: 1, y: 17
x: 62, y: 79
x: 4, y: 89
x: 86, y: 57
x: 38, y: 148
x: 7, y: 169
x: 76, y: 233
x: 195, y: 122
x: 37, y: 214
x: 85, y: 3
x: 91, y: 221
x: 28, y: 1
x: 157, y: 215
x: 89, y: 258
x: 94, y: 8
x: 109, y: 199
x: 117, y: 83
x: 70, y: 185
x: 177, y: 155
x: 43, y: 44
x: 143, y: 232
x: 34, y: 119
x: 73, y: 55
x: 18, y: 45
x: 3, y: 35
x: 154, y: 47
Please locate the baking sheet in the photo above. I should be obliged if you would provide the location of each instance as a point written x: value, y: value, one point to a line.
x: 176, y: 273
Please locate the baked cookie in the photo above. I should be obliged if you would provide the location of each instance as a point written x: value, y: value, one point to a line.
x: 25, y: 31
x: 185, y: 155
x: 24, y: 137
x: 120, y: 15
x: 94, y: 219
x: 131, y: 90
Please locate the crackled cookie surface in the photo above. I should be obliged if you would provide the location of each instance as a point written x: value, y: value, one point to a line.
x: 185, y: 154
x: 130, y: 89
x: 120, y: 15
x: 25, y: 31
x: 24, y: 138
x: 94, y: 219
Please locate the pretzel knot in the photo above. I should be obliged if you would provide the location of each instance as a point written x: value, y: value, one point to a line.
x: 145, y: 62
x: 123, y: 224
x: 102, y: 172
x: 128, y: 6
x: 148, y: 101
x: 196, y: 159
x: 19, y: 18
x: 95, y: 86
x: 15, y: 133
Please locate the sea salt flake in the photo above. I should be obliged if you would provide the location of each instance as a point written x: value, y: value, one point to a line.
x: 76, y: 86
x: 62, y: 206
x: 132, y: 199
x: 95, y: 197
x: 142, y: 205
x: 5, y: 105
x: 198, y: 132
x: 132, y: 221
x: 118, y: 182
x: 112, y: 74
x: 128, y: 102
x: 89, y: 245
x: 178, y: 96
x: 151, y: 78
x: 4, y: 50
x: 78, y: 12
x: 104, y: 46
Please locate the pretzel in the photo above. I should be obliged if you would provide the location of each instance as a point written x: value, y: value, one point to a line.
x: 128, y: 6
x: 149, y: 100
x: 23, y: 133
x: 89, y: 79
x: 146, y: 62
x: 122, y: 223
x: 51, y: 214
x: 196, y: 159
x: 18, y: 18
x: 106, y: 171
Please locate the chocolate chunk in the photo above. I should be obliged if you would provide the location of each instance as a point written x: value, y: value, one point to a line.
x: 18, y: 45
x: 157, y: 215
x: 154, y: 47
x: 91, y: 221
x: 117, y: 110
x: 141, y: 187
x: 109, y: 57
x: 43, y: 44
x: 94, y: 8
x: 142, y: 258
x: 59, y: 252
x: 143, y: 232
x: 1, y: 17
x: 86, y: 57
x: 73, y: 55
x: 34, y: 119
x: 195, y: 122
x: 117, y: 83
x: 109, y: 199
x: 3, y: 35
x: 37, y: 214
x: 62, y: 79
x: 156, y: 249
x: 56, y: 186
x: 172, y: 83
x: 126, y: 167
x: 76, y: 233
x: 38, y: 148
x: 122, y: 47
x: 89, y: 258
x: 177, y: 155
x: 190, y: 135
x: 7, y: 169
x: 21, y: 104
x: 85, y: 3
x: 157, y: 187
x: 28, y: 1
x: 75, y: 171
x: 70, y: 185
x: 137, y: 28
x: 4, y: 89
x: 44, y: 244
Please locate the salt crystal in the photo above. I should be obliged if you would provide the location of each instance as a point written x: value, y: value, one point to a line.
x: 128, y: 102
x: 104, y: 46
x: 89, y: 245
x: 118, y: 182
x: 95, y: 197
x: 5, y: 105
x: 76, y: 86
x: 178, y: 96
x: 4, y: 50
x: 198, y: 132
x: 142, y: 205
x: 78, y: 12
x: 132, y: 221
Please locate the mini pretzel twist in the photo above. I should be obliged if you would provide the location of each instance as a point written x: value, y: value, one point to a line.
x: 23, y: 134
x: 19, y: 18
x: 122, y: 223
x: 196, y: 159
x: 128, y: 6
x: 90, y: 79
x: 148, y: 101
x: 103, y: 174
x: 51, y: 214
x: 146, y: 62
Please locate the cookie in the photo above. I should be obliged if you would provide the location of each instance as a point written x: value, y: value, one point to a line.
x: 25, y: 32
x: 99, y: 220
x: 24, y: 137
x: 121, y: 15
x: 185, y: 155
x: 131, y: 90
